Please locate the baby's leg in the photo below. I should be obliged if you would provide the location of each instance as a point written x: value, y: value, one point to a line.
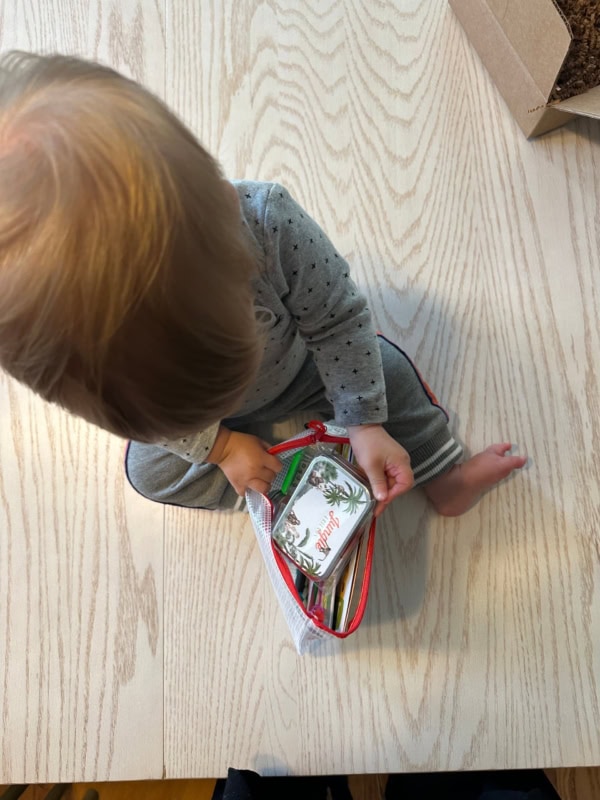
x: 457, y: 490
x: 417, y: 421
x: 164, y: 477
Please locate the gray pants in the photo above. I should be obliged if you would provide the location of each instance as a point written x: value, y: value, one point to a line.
x: 415, y: 420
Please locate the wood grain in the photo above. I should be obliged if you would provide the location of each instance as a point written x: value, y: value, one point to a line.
x: 146, y: 790
x: 576, y: 784
x: 479, y: 253
x: 367, y: 787
x: 80, y: 554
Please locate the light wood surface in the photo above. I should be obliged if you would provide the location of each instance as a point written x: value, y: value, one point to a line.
x: 479, y: 253
x: 81, y: 555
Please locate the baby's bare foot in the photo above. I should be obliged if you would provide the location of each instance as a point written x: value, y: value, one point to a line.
x: 457, y: 490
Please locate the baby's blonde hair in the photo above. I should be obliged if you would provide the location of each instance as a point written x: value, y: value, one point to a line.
x: 125, y: 271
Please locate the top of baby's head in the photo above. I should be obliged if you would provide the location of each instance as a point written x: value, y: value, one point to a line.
x: 125, y: 273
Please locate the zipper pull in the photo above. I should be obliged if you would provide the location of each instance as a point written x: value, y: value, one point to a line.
x: 318, y: 428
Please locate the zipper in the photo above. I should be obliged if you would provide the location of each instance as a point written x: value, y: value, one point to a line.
x: 364, y: 589
x: 318, y: 433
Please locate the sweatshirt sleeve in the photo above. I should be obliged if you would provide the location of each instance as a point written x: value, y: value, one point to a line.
x: 196, y: 447
x: 331, y: 313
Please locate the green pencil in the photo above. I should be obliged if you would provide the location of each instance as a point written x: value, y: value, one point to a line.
x: 292, y: 470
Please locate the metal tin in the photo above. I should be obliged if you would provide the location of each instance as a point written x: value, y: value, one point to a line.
x: 318, y: 524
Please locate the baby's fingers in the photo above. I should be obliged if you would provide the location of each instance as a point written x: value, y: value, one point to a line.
x: 258, y: 485
x: 379, y: 482
x: 271, y: 461
x: 399, y: 487
x: 399, y: 481
x: 401, y: 478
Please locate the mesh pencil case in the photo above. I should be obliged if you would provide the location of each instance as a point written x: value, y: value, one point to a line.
x: 317, y: 539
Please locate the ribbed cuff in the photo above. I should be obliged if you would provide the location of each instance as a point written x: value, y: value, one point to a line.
x: 435, y: 457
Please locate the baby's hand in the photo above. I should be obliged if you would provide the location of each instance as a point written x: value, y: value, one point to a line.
x: 385, y: 462
x: 245, y: 461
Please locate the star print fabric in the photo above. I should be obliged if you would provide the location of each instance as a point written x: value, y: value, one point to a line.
x: 309, y: 287
x: 305, y: 301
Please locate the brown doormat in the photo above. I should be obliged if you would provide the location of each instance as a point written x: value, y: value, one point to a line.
x: 581, y: 69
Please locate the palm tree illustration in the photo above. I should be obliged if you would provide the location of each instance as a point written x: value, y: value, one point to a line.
x: 345, y: 496
x: 353, y: 499
x: 334, y: 494
x: 328, y: 471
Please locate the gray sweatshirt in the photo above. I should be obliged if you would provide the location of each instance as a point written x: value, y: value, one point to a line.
x: 305, y: 301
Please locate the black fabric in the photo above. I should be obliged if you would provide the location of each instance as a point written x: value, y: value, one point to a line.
x: 506, y: 785
x: 501, y: 785
x: 246, y: 785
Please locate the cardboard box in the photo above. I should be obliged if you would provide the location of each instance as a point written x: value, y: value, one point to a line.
x: 523, y: 44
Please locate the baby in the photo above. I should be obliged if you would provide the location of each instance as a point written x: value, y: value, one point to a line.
x: 143, y: 292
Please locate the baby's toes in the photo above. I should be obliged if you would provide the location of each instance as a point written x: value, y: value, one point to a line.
x: 509, y: 463
x: 499, y: 449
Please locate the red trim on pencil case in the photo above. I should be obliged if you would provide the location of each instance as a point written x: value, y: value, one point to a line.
x: 364, y: 589
x: 318, y: 433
